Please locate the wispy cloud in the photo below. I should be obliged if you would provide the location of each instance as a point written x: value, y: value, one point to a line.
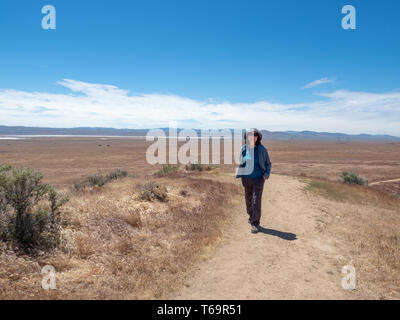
x: 109, y: 106
x: 318, y: 83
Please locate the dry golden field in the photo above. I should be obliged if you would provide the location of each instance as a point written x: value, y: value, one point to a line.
x: 116, y: 245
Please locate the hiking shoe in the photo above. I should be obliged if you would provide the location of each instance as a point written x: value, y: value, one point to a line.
x: 254, y: 229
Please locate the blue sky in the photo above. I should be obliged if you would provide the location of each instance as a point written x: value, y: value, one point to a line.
x: 278, y: 65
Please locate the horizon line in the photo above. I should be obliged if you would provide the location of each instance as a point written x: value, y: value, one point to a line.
x: 196, y: 129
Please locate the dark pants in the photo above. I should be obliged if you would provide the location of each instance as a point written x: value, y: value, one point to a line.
x: 253, y: 189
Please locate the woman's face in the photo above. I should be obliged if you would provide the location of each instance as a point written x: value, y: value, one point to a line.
x: 252, y: 139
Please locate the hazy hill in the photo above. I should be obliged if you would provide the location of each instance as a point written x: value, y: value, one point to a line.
x: 268, y: 135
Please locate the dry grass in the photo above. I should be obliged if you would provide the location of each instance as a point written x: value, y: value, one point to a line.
x: 391, y: 188
x: 318, y: 159
x: 117, y: 246
x: 354, y: 194
x: 368, y: 222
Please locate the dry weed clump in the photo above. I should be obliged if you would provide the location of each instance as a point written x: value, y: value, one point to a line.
x: 132, y: 217
x: 184, y: 191
x: 151, y: 191
x: 84, y: 245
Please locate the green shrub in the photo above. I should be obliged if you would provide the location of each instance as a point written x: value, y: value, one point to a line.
x: 153, y: 191
x: 80, y: 185
x: 167, y: 169
x: 98, y: 180
x: 353, y: 178
x: 199, y: 167
x: 29, y: 209
x: 116, y: 174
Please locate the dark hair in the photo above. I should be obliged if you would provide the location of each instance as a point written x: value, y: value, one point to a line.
x: 256, y: 133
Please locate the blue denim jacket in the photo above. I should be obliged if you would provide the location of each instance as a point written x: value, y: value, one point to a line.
x: 263, y: 157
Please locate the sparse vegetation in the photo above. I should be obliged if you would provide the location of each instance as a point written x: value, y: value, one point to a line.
x: 353, y: 178
x: 116, y: 174
x: 369, y: 224
x: 151, y: 191
x: 96, y: 180
x: 29, y: 210
x: 328, y: 190
x: 167, y: 169
x: 118, y: 247
x: 99, y: 180
x: 199, y: 167
x: 349, y: 193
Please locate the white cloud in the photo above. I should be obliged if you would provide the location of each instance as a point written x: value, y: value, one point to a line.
x: 318, y: 83
x: 109, y: 106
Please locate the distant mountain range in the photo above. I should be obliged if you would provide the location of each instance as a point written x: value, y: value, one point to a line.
x: 325, y: 136
x: 267, y: 135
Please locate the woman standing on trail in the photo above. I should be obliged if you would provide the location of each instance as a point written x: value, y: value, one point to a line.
x: 254, y: 169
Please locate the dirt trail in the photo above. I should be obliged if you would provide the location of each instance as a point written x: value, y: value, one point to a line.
x: 384, y: 181
x: 289, y: 259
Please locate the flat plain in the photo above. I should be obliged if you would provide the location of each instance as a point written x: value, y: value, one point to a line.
x: 64, y: 160
x: 118, y: 245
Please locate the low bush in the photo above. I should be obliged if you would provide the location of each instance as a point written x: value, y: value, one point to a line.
x: 199, y: 167
x: 133, y: 219
x: 29, y: 210
x: 116, y: 174
x: 96, y: 181
x: 153, y: 191
x: 167, y: 169
x: 99, y: 180
x: 353, y: 178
